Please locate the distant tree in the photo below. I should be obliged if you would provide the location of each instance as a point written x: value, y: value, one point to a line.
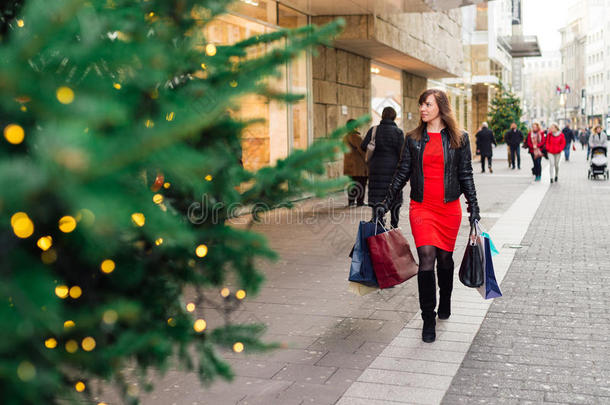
x: 505, y: 109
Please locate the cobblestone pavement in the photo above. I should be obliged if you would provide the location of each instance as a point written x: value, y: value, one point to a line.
x: 547, y: 340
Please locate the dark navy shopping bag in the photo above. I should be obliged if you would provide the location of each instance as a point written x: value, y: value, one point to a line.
x: 361, y: 270
x: 490, y: 288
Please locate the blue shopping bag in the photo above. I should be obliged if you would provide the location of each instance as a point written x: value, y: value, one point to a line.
x: 494, y: 251
x: 361, y: 270
x: 490, y: 288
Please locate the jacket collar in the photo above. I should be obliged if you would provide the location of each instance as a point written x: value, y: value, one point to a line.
x: 387, y: 122
x: 444, y: 134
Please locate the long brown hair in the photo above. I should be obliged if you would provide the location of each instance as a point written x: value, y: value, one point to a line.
x: 447, y: 116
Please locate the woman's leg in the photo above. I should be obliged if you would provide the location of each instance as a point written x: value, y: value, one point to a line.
x: 444, y: 270
x: 556, y: 162
x: 552, y: 166
x: 427, y: 291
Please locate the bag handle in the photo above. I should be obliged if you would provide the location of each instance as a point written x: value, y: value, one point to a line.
x: 380, y: 223
x: 474, y: 233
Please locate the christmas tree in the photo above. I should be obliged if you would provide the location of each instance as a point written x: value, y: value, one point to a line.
x: 117, y: 115
x: 505, y: 109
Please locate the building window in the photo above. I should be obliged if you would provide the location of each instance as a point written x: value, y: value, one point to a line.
x: 386, y: 91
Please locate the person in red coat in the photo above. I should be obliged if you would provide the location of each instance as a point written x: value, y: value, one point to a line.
x: 555, y: 144
x: 535, y: 140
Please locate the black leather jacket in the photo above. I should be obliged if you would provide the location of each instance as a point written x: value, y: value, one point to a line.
x: 458, y: 171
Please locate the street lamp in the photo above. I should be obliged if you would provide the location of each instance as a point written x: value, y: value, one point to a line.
x: 563, y: 92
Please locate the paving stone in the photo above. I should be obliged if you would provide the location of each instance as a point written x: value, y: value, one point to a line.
x: 346, y: 360
x: 304, y: 373
x: 394, y: 393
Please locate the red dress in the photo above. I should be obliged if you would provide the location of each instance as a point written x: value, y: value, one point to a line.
x: 434, y: 222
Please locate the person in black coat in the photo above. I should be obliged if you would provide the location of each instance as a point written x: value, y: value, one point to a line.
x: 513, y: 138
x: 569, y: 135
x: 485, y: 138
x: 382, y: 165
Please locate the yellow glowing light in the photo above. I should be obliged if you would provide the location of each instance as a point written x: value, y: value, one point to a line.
x: 69, y: 324
x: 110, y: 316
x: 203, y: 66
x: 14, y: 134
x: 102, y: 403
x: 151, y: 14
x: 154, y: 94
x: 107, y: 266
x: 233, y: 83
x: 76, y: 292
x: 149, y: 124
x: 159, y: 241
x: 23, y: 226
x: 166, y: 184
x: 45, y: 242
x: 171, y: 321
x: 240, y: 294
x: 117, y: 86
x: 225, y: 292
x: 190, y: 307
x: 48, y: 257
x: 67, y: 224
x: 50, y: 343
x: 71, y: 346
x: 61, y: 291
x: 23, y: 108
x: 238, y: 347
x: 170, y: 116
x: 210, y: 49
x: 208, y: 177
x: 200, y: 325
x: 26, y: 371
x: 88, y: 344
x: 157, y: 198
x: 201, y: 251
x: 65, y: 95
x: 79, y: 386
x: 138, y: 218
x: 20, y: 23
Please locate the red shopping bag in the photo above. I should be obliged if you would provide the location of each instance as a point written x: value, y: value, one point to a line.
x: 392, y: 259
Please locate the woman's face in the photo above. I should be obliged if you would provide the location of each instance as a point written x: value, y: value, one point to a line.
x: 598, y: 130
x: 428, y: 110
x: 535, y: 127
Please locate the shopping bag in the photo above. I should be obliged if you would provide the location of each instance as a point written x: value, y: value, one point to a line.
x: 392, y: 259
x: 490, y: 288
x: 494, y: 251
x: 361, y: 268
x: 472, y: 272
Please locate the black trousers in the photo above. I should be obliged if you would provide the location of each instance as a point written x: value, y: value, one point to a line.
x: 483, y: 162
x: 537, y: 170
x: 515, y: 151
x: 394, y: 216
x: 355, y: 191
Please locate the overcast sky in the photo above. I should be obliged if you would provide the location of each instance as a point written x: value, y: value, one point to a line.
x: 544, y: 18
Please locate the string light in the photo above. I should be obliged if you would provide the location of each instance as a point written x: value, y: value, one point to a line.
x: 208, y: 177
x: 210, y: 49
x: 107, y: 266
x: 67, y: 224
x: 26, y: 371
x: 159, y: 241
x: 79, y: 386
x: 65, y: 95
x: 240, y: 294
x: 117, y: 86
x: 69, y: 324
x: 138, y: 219
x: 61, y: 291
x: 110, y: 316
x: 203, y: 66
x: 199, y: 325
x: 75, y: 292
x: 170, y: 116
x: 20, y: 23
x: 50, y: 343
x: 14, y: 134
x: 201, y: 251
x: 190, y: 306
x: 166, y: 185
x: 233, y: 83
x: 171, y: 321
x: 22, y: 225
x: 88, y: 344
x: 71, y: 346
x: 238, y: 347
x: 157, y: 198
x: 45, y: 243
x: 149, y: 124
x: 225, y: 292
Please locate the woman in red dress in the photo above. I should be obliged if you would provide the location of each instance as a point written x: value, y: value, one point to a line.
x: 436, y: 158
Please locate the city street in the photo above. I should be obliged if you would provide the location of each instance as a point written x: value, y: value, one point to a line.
x: 546, y: 340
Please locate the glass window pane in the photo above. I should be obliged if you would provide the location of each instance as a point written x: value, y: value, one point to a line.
x: 386, y: 91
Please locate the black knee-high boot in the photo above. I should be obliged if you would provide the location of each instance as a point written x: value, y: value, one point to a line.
x: 445, y: 285
x: 427, y: 302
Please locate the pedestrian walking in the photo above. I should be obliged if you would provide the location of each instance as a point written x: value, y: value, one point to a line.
x: 535, y: 140
x: 513, y: 139
x: 485, y: 138
x: 555, y: 143
x: 569, y: 135
x: 436, y: 159
x: 598, y: 138
x: 582, y: 138
x: 354, y: 166
x: 588, y: 133
x: 388, y: 144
